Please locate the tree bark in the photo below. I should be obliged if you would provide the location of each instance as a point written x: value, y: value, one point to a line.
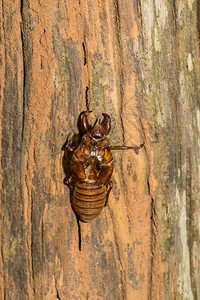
x: 138, y: 61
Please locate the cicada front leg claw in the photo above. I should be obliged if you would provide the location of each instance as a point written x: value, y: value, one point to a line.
x: 69, y: 142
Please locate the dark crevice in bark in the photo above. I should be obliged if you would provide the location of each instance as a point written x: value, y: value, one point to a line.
x: 25, y: 86
x: 24, y: 69
x: 2, y: 270
x: 152, y: 216
x: 1, y: 201
x: 121, y: 75
x: 123, y: 278
x: 86, y: 98
x: 153, y: 237
x: 79, y: 233
x: 84, y: 51
x: 57, y: 294
x: 140, y: 18
x: 85, y: 62
x: 190, y: 218
x: 139, y: 11
x: 56, y: 288
x: 31, y: 252
x: 22, y: 28
x: 42, y: 240
x: 198, y: 20
x: 174, y: 14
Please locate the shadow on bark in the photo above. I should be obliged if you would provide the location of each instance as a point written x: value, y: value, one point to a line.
x: 66, y: 163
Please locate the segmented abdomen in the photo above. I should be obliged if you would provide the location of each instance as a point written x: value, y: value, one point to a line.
x: 89, y: 200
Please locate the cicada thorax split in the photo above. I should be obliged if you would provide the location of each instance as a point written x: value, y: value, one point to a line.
x: 91, y: 166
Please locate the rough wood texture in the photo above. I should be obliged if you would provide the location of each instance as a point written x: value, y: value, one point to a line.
x: 140, y: 62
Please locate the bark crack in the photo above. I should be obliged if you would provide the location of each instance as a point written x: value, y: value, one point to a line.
x: 32, y: 275
x: 24, y: 70
x: 123, y: 276
x: 85, y: 63
x: 23, y: 45
x: 57, y: 294
x: 198, y: 20
x: 190, y: 219
x: 139, y: 8
x: 153, y: 236
x: 121, y: 78
x: 3, y: 50
x: 86, y: 98
x: 153, y: 216
x: 121, y: 75
x: 84, y: 52
x: 174, y: 14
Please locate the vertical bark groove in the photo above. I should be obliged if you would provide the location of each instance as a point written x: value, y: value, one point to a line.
x: 121, y: 76
x: 123, y: 277
x: 24, y: 69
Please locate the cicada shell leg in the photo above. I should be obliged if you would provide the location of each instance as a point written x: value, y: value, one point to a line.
x: 69, y: 142
x: 134, y: 147
x: 69, y: 182
x: 109, y: 187
x: 126, y: 147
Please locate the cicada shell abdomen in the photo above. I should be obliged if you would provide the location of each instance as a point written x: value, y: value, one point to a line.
x: 89, y: 200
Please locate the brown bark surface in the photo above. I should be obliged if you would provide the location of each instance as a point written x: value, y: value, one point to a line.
x: 139, y: 61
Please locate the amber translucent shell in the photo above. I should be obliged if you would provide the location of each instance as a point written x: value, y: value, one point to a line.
x: 91, y: 169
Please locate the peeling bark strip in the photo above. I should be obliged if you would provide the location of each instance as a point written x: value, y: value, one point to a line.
x: 138, y: 61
